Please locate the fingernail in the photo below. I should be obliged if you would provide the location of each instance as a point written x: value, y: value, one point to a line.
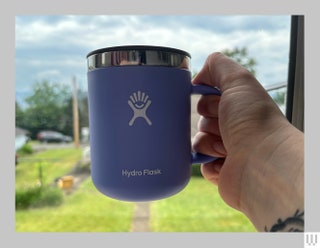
x: 219, y: 147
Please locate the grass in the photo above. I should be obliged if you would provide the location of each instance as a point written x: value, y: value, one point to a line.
x: 54, y: 163
x: 86, y: 210
x: 198, y: 208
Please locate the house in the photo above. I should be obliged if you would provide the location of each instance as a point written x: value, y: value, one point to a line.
x: 22, y: 137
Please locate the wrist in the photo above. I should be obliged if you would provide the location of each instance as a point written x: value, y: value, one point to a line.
x: 279, y: 174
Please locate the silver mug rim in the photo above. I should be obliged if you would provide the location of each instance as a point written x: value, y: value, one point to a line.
x: 138, y: 55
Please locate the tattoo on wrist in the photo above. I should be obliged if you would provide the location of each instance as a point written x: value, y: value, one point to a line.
x: 290, y: 224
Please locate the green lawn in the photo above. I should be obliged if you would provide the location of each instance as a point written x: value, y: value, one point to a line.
x: 54, y: 163
x: 86, y: 210
x: 198, y: 208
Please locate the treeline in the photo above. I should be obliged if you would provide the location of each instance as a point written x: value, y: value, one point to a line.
x: 50, y: 107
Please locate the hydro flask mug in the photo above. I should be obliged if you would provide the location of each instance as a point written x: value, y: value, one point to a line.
x: 139, y: 120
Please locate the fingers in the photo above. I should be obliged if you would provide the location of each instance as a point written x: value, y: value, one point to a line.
x: 208, y: 109
x: 208, y: 105
x: 209, y: 144
x: 209, y: 125
x: 211, y: 171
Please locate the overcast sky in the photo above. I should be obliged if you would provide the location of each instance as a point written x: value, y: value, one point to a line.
x: 54, y: 48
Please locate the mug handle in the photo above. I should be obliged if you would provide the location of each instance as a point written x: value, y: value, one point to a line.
x: 199, y: 158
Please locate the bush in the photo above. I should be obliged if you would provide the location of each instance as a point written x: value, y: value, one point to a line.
x: 26, y: 149
x: 26, y: 197
x: 38, y: 197
x: 49, y: 196
x: 196, y: 171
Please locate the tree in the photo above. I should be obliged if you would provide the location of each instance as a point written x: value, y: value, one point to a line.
x: 83, y: 108
x: 240, y: 55
x: 280, y: 98
x: 47, y: 108
x: 20, y: 116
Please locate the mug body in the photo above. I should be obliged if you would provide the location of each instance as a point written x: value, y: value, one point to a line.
x: 139, y: 119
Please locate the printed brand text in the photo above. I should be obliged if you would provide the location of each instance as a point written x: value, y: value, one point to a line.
x: 138, y: 173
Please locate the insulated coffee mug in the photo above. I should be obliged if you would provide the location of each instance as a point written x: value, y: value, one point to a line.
x: 139, y: 120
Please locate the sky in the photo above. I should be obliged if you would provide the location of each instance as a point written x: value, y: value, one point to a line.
x: 54, y: 48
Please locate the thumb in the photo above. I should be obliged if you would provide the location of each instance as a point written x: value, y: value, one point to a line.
x: 223, y: 72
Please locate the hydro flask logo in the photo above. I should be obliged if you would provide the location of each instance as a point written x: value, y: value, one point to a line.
x: 139, y: 103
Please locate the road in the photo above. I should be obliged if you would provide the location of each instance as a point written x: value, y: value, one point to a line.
x: 37, y: 146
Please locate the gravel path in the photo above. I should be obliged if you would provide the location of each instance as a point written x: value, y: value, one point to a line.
x: 141, y: 217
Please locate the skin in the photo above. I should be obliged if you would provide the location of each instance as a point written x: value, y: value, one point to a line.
x: 261, y: 167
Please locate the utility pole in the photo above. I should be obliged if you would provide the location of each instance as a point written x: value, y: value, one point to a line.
x: 75, y: 113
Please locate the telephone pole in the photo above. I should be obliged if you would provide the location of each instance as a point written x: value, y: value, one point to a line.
x: 75, y: 113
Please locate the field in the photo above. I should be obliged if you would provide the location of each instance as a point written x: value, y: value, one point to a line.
x: 198, y: 208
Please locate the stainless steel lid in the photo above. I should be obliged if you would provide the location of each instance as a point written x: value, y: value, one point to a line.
x: 138, y: 55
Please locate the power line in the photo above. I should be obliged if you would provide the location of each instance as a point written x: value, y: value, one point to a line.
x: 276, y: 86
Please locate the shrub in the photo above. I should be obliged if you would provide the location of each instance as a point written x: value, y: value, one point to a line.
x: 27, y: 196
x: 49, y: 196
x: 38, y: 196
x: 196, y: 171
x: 26, y: 149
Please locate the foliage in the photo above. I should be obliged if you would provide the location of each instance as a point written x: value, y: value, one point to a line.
x: 38, y: 196
x: 50, y: 108
x: 49, y: 196
x: 19, y: 115
x: 46, y: 94
x: 26, y: 149
x: 279, y: 97
x: 25, y: 197
x: 240, y: 55
x: 85, y: 210
x: 46, y: 166
x: 35, y: 177
x: 196, y: 172
x: 46, y: 108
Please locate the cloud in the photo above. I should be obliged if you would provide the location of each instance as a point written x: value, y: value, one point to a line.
x: 55, y: 47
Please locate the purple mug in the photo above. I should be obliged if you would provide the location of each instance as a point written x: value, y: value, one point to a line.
x: 139, y: 120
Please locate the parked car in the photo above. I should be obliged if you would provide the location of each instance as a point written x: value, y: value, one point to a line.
x: 53, y: 136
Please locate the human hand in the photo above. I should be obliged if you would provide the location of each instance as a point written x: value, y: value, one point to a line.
x: 260, y: 150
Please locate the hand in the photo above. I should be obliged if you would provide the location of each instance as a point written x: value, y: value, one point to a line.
x: 261, y: 152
